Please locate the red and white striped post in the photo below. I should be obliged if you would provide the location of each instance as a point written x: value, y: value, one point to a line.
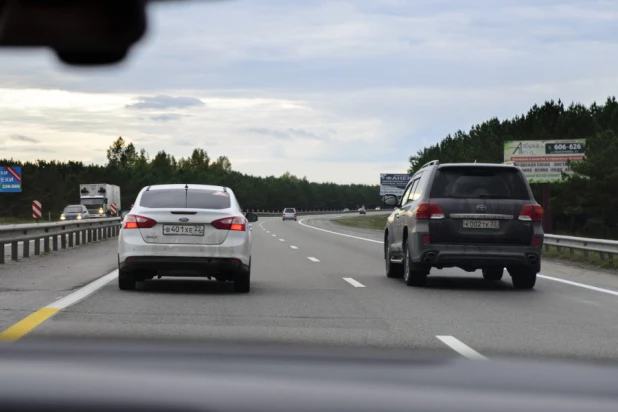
x: 37, y: 209
x: 113, y: 208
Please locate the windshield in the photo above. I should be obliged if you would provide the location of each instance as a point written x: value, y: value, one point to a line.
x: 453, y: 167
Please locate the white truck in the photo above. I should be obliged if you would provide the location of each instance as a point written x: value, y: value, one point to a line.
x: 101, y: 199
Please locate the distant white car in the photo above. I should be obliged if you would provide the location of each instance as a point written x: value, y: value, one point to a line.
x: 289, y: 213
x: 185, y: 230
x: 346, y: 210
x: 378, y: 208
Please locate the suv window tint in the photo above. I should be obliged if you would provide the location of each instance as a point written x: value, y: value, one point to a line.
x: 289, y: 210
x: 479, y: 182
x: 175, y: 198
x: 420, y: 187
x: 408, y: 194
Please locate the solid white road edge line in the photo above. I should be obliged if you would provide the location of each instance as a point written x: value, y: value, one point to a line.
x: 313, y: 259
x: 84, y: 291
x: 300, y: 222
x: 354, y: 283
x: 568, y: 282
x: 581, y: 285
x: 461, y: 348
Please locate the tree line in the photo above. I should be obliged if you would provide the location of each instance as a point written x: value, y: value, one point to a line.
x: 583, y: 204
x: 56, y: 184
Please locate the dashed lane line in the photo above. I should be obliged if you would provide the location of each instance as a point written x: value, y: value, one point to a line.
x: 354, y: 283
x: 313, y: 259
x: 461, y: 348
x: 293, y: 247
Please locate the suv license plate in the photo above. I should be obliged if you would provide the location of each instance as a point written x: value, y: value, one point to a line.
x: 183, y: 230
x: 481, y: 224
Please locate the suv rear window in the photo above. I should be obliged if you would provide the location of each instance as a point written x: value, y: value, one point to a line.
x: 178, y: 199
x: 479, y: 182
x: 288, y: 210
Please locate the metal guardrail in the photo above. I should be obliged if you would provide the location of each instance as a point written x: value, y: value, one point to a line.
x: 601, y: 246
x: 55, y: 235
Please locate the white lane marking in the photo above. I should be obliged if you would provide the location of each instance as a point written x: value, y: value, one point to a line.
x: 268, y: 231
x: 281, y: 240
x: 313, y: 259
x: 300, y: 222
x: 461, y: 348
x: 84, y: 291
x: 581, y: 285
x: 568, y: 282
x: 274, y: 235
x: 293, y: 247
x: 354, y: 283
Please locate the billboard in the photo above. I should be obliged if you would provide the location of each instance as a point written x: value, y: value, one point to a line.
x: 393, y: 184
x: 544, y: 161
x: 10, y: 179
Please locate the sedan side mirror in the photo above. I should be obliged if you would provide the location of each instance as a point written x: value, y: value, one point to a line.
x: 251, y: 217
x: 390, y: 200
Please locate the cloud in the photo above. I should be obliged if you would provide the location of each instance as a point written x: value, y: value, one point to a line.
x: 22, y: 138
x: 166, y: 117
x: 288, y: 134
x: 164, y: 102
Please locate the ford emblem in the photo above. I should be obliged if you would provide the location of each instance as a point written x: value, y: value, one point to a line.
x: 183, y: 219
x: 481, y: 208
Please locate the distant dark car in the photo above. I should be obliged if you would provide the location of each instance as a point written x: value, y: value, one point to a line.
x: 471, y: 216
x: 362, y: 210
x: 75, y: 212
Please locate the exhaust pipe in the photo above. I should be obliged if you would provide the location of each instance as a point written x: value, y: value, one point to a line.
x: 532, y: 259
x: 430, y: 257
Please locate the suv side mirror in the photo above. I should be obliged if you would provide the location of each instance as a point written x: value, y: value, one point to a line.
x: 390, y: 200
x: 251, y: 217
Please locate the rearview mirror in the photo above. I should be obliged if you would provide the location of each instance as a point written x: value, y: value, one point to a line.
x: 390, y: 200
x: 251, y: 217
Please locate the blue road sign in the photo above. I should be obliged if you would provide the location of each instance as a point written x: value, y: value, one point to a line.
x: 10, y: 179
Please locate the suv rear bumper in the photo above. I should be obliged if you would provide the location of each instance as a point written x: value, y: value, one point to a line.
x: 476, y: 256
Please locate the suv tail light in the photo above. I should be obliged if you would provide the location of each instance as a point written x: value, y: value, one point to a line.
x: 238, y: 223
x: 138, y: 222
x: 429, y: 210
x: 531, y: 213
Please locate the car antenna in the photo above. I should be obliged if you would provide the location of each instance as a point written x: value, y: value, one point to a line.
x: 186, y: 193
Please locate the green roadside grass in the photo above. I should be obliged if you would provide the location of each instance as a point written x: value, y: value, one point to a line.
x: 364, y: 221
x: 578, y: 256
x: 14, y: 220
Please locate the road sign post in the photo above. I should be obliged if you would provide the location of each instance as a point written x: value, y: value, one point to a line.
x: 37, y: 210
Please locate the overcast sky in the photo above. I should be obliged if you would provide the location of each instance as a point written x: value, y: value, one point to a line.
x: 332, y: 90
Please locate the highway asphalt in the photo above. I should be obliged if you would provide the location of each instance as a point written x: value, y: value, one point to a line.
x: 315, y: 282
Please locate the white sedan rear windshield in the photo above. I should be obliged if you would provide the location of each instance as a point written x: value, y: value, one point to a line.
x: 289, y: 211
x: 181, y: 198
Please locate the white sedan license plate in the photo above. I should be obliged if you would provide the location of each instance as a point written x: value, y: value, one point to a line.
x: 183, y: 230
x: 481, y: 224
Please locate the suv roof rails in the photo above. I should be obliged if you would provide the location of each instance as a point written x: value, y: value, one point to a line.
x: 433, y: 162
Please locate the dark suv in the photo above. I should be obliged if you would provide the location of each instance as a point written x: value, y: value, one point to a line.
x: 471, y: 216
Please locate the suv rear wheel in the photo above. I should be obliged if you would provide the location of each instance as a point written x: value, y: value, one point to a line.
x: 413, y: 274
x: 523, y: 277
x: 393, y: 270
x: 493, y: 273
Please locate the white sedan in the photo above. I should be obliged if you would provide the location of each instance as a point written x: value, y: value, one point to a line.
x: 185, y: 230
